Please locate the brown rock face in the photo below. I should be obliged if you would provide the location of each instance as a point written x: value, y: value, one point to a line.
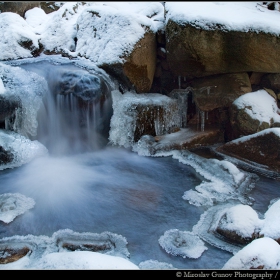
x: 139, y: 67
x: 195, y: 52
x: 243, y: 124
x: 262, y: 148
x: 220, y: 90
x: 18, y: 7
x: 141, y: 63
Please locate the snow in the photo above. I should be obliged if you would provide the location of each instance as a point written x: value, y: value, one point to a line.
x: 182, y: 243
x: 13, y: 205
x: 239, y: 16
x: 263, y: 253
x: 50, y: 252
x: 271, y: 227
x: 22, y: 149
x: 262, y: 106
x: 118, y: 28
x: 245, y: 226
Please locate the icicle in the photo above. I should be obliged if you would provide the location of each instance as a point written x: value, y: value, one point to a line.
x: 206, y: 115
x: 197, y: 116
x: 179, y: 82
x: 208, y: 90
x: 202, y: 114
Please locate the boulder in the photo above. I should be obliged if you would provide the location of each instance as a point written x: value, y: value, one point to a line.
x: 254, y: 112
x: 220, y: 90
x: 262, y: 147
x: 196, y: 52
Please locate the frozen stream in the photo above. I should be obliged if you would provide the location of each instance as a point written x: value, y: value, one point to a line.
x: 103, y: 187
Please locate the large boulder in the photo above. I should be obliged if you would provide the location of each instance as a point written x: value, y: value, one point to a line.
x: 196, y: 52
x: 253, y: 112
x: 130, y: 59
x: 220, y: 90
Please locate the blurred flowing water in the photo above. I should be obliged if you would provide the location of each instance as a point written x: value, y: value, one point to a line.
x: 109, y: 189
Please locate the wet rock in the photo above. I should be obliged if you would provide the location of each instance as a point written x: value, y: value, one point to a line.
x: 262, y: 147
x: 10, y: 254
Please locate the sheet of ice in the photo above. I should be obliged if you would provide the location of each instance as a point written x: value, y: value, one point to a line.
x: 241, y: 16
x: 223, y: 180
x: 259, y: 105
x: 13, y: 205
x: 206, y: 227
x: 29, y: 88
x: 48, y: 253
x: 182, y: 243
x: 22, y: 149
x: 271, y: 227
x: 123, y: 121
x: 262, y: 253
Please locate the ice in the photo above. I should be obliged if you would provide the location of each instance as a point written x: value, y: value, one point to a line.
x: 48, y: 253
x: 123, y: 121
x: 13, y: 205
x: 29, y: 88
x: 182, y: 243
x: 223, y: 180
x: 22, y: 149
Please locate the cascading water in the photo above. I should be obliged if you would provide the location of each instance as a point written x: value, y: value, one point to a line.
x: 75, y: 113
x: 85, y: 184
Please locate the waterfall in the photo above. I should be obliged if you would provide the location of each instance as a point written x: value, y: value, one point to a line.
x: 74, y: 111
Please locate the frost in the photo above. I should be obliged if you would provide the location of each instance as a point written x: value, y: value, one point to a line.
x: 182, y: 243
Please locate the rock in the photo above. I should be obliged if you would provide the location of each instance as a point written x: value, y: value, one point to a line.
x: 219, y: 91
x: 262, y: 147
x: 8, y: 106
x: 19, y: 7
x: 9, y: 254
x: 196, y: 52
x: 248, y: 115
